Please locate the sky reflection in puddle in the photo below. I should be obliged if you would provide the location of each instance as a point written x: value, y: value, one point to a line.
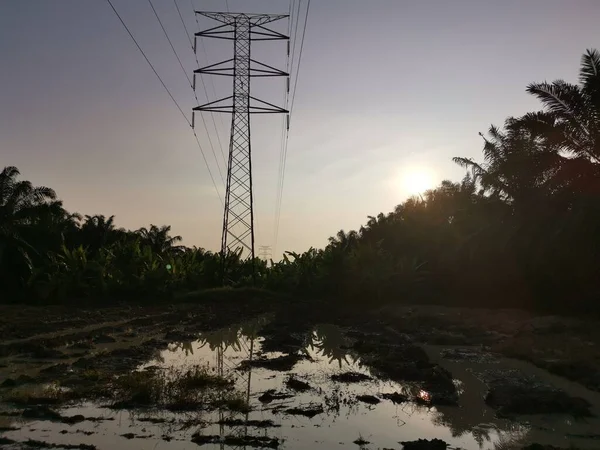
x: 343, y: 420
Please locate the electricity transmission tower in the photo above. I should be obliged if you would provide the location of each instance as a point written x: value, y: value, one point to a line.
x: 242, y: 29
x: 264, y: 252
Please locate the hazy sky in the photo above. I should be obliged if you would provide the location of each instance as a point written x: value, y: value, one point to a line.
x: 389, y: 90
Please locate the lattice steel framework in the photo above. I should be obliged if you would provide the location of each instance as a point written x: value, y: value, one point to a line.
x: 238, y: 216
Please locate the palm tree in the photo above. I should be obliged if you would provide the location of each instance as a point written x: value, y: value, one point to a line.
x: 517, y: 167
x: 571, y: 115
x: 570, y: 124
x: 21, y: 207
x: 97, y: 232
x: 159, y: 240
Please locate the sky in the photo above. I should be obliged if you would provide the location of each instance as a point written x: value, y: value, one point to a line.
x: 388, y: 92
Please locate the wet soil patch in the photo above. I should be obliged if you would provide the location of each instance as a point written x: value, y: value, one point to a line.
x: 361, y: 442
x: 179, y: 336
x: 155, y: 420
x: 103, y: 339
x: 395, y: 397
x: 309, y: 411
x: 369, y: 399
x: 425, y: 444
x: 583, y: 372
x: 135, y: 436
x: 297, y: 385
x: 283, y: 363
x: 467, y: 354
x: 351, y: 377
x: 45, y: 413
x: 511, y: 392
x: 242, y: 441
x: 20, y: 380
x: 410, y: 363
x: 250, y: 423
x: 31, y: 443
x: 270, y: 395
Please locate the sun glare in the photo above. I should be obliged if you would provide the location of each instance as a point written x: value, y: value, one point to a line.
x: 416, y: 180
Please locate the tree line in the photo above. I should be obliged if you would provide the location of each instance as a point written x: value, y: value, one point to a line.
x: 519, y: 230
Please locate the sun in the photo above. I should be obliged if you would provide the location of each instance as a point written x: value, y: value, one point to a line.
x: 416, y: 180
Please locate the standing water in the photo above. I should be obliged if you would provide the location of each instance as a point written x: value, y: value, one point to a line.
x: 322, y: 396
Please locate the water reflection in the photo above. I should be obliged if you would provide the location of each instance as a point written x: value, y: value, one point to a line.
x: 328, y: 351
x: 329, y: 341
x: 324, y: 351
x: 234, y: 339
x: 185, y: 347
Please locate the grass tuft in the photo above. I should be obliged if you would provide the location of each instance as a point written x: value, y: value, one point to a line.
x: 47, y: 394
x: 176, y: 389
x: 236, y: 402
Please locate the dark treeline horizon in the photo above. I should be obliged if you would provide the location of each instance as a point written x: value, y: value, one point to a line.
x: 519, y: 230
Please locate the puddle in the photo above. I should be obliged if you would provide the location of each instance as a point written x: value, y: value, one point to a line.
x: 313, y: 411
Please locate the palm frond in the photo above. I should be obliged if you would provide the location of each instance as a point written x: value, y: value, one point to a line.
x: 9, y: 172
x: 589, y: 73
x: 559, y: 97
x: 589, y: 77
x: 468, y: 163
x: 42, y: 194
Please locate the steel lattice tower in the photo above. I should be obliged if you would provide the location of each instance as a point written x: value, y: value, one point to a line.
x: 243, y: 29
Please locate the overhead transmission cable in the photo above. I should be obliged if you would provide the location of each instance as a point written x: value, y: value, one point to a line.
x: 299, y: 57
x: 168, y: 92
x: 291, y: 108
x: 212, y: 115
x: 191, y: 87
x: 150, y: 64
x: 284, y: 125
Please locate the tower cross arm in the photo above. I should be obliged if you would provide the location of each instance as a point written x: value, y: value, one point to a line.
x: 230, y: 18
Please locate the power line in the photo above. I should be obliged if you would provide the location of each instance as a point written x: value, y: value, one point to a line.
x: 212, y: 115
x: 191, y: 87
x: 170, y: 43
x: 206, y: 162
x: 286, y: 94
x: 168, y: 92
x: 150, y: 64
x: 278, y: 213
x: 300, y: 57
x: 183, y: 23
x: 284, y: 130
x: 295, y: 34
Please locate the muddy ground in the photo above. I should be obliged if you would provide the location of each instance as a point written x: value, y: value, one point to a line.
x: 424, y: 346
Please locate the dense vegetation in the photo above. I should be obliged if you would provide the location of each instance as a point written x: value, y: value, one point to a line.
x: 520, y: 229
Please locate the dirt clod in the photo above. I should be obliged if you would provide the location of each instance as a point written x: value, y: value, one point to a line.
x: 370, y: 399
x: 104, y: 339
x: 41, y: 413
x: 250, y: 423
x: 425, y: 444
x: 309, y: 411
x: 395, y: 397
x: 282, y: 363
x: 271, y: 394
x: 297, y: 385
x: 350, y: 377
x: 71, y: 420
x: 241, y: 441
